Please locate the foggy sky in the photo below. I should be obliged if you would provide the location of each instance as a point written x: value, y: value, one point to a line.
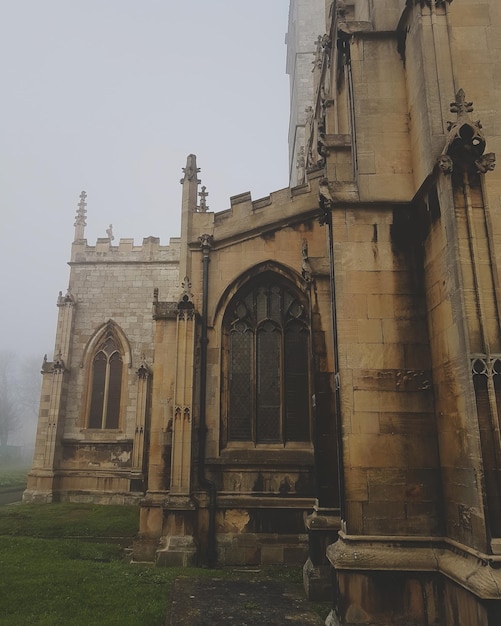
x: 110, y: 96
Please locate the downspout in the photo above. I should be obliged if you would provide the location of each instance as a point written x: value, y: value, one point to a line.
x: 204, y: 482
x: 326, y: 219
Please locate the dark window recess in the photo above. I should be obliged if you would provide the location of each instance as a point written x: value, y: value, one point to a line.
x: 267, y: 334
x: 107, y: 368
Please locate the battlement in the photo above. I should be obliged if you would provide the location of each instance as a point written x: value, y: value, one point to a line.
x: 126, y: 252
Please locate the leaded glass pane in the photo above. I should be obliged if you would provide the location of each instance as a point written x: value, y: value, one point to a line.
x: 110, y: 346
x: 240, y: 404
x: 98, y: 387
x: 274, y: 304
x: 268, y: 356
x: 296, y: 384
x: 114, y: 390
x: 268, y: 385
x: 261, y: 304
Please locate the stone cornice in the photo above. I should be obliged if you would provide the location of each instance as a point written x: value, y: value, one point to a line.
x: 475, y: 571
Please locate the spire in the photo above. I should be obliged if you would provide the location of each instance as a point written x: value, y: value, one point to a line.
x: 80, y: 222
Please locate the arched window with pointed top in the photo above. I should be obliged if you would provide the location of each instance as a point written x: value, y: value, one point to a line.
x: 266, y: 395
x: 106, y: 384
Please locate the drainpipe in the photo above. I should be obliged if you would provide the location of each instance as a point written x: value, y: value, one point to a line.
x: 204, y: 482
x: 326, y: 219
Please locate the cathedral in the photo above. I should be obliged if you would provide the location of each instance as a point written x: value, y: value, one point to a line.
x: 314, y: 377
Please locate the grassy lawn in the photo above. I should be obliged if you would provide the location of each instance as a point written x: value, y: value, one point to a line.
x: 12, y: 477
x: 51, y: 577
x: 55, y: 572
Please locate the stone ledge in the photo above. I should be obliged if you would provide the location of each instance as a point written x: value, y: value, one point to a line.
x: 474, y: 571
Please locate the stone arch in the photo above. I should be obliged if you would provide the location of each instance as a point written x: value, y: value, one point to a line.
x: 107, y: 357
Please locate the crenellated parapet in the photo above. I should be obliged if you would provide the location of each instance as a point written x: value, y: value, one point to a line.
x: 126, y: 251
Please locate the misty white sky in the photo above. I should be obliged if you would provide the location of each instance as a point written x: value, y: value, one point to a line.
x: 111, y: 96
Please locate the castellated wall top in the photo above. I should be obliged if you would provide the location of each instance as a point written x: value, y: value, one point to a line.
x: 126, y: 252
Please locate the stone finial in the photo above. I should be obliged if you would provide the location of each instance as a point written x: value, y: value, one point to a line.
x: 191, y: 170
x: 58, y: 363
x: 203, y: 207
x: 460, y: 105
x: 80, y: 217
x: 185, y: 303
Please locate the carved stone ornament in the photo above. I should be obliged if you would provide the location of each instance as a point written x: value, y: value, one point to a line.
x: 465, y: 143
x: 58, y: 364
x: 191, y: 170
x: 428, y: 3
x: 203, y: 207
x: 81, y: 210
x: 305, y: 264
x: 206, y: 241
x: 143, y: 371
x: 445, y: 163
x: 67, y: 300
x: 317, y: 61
x: 324, y: 193
x: 186, y: 300
x: 341, y: 9
x: 486, y: 163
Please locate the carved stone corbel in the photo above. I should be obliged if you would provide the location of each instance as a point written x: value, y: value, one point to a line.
x: 465, y: 144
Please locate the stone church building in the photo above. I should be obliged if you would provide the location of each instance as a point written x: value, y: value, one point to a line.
x: 314, y: 376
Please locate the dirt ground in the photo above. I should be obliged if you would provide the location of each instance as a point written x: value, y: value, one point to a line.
x: 214, y: 601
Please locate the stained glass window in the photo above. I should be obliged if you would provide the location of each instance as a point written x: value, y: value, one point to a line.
x: 267, y: 340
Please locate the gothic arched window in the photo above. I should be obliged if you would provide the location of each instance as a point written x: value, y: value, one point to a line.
x: 106, y: 386
x: 267, y: 397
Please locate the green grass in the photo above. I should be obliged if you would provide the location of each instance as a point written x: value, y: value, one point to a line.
x: 69, y: 520
x: 53, y: 573
x: 12, y: 477
x: 51, y: 578
x: 56, y: 582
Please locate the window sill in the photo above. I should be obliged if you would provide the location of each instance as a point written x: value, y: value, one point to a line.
x: 100, y: 434
x: 265, y: 454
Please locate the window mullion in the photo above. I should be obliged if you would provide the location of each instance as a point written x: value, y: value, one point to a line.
x: 105, y: 394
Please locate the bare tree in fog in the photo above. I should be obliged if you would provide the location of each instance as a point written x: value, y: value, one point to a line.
x: 20, y: 383
x: 9, y: 417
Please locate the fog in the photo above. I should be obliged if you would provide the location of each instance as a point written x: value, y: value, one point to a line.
x: 110, y: 96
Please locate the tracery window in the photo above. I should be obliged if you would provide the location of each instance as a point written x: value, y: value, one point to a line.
x: 267, y: 346
x: 106, y: 386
